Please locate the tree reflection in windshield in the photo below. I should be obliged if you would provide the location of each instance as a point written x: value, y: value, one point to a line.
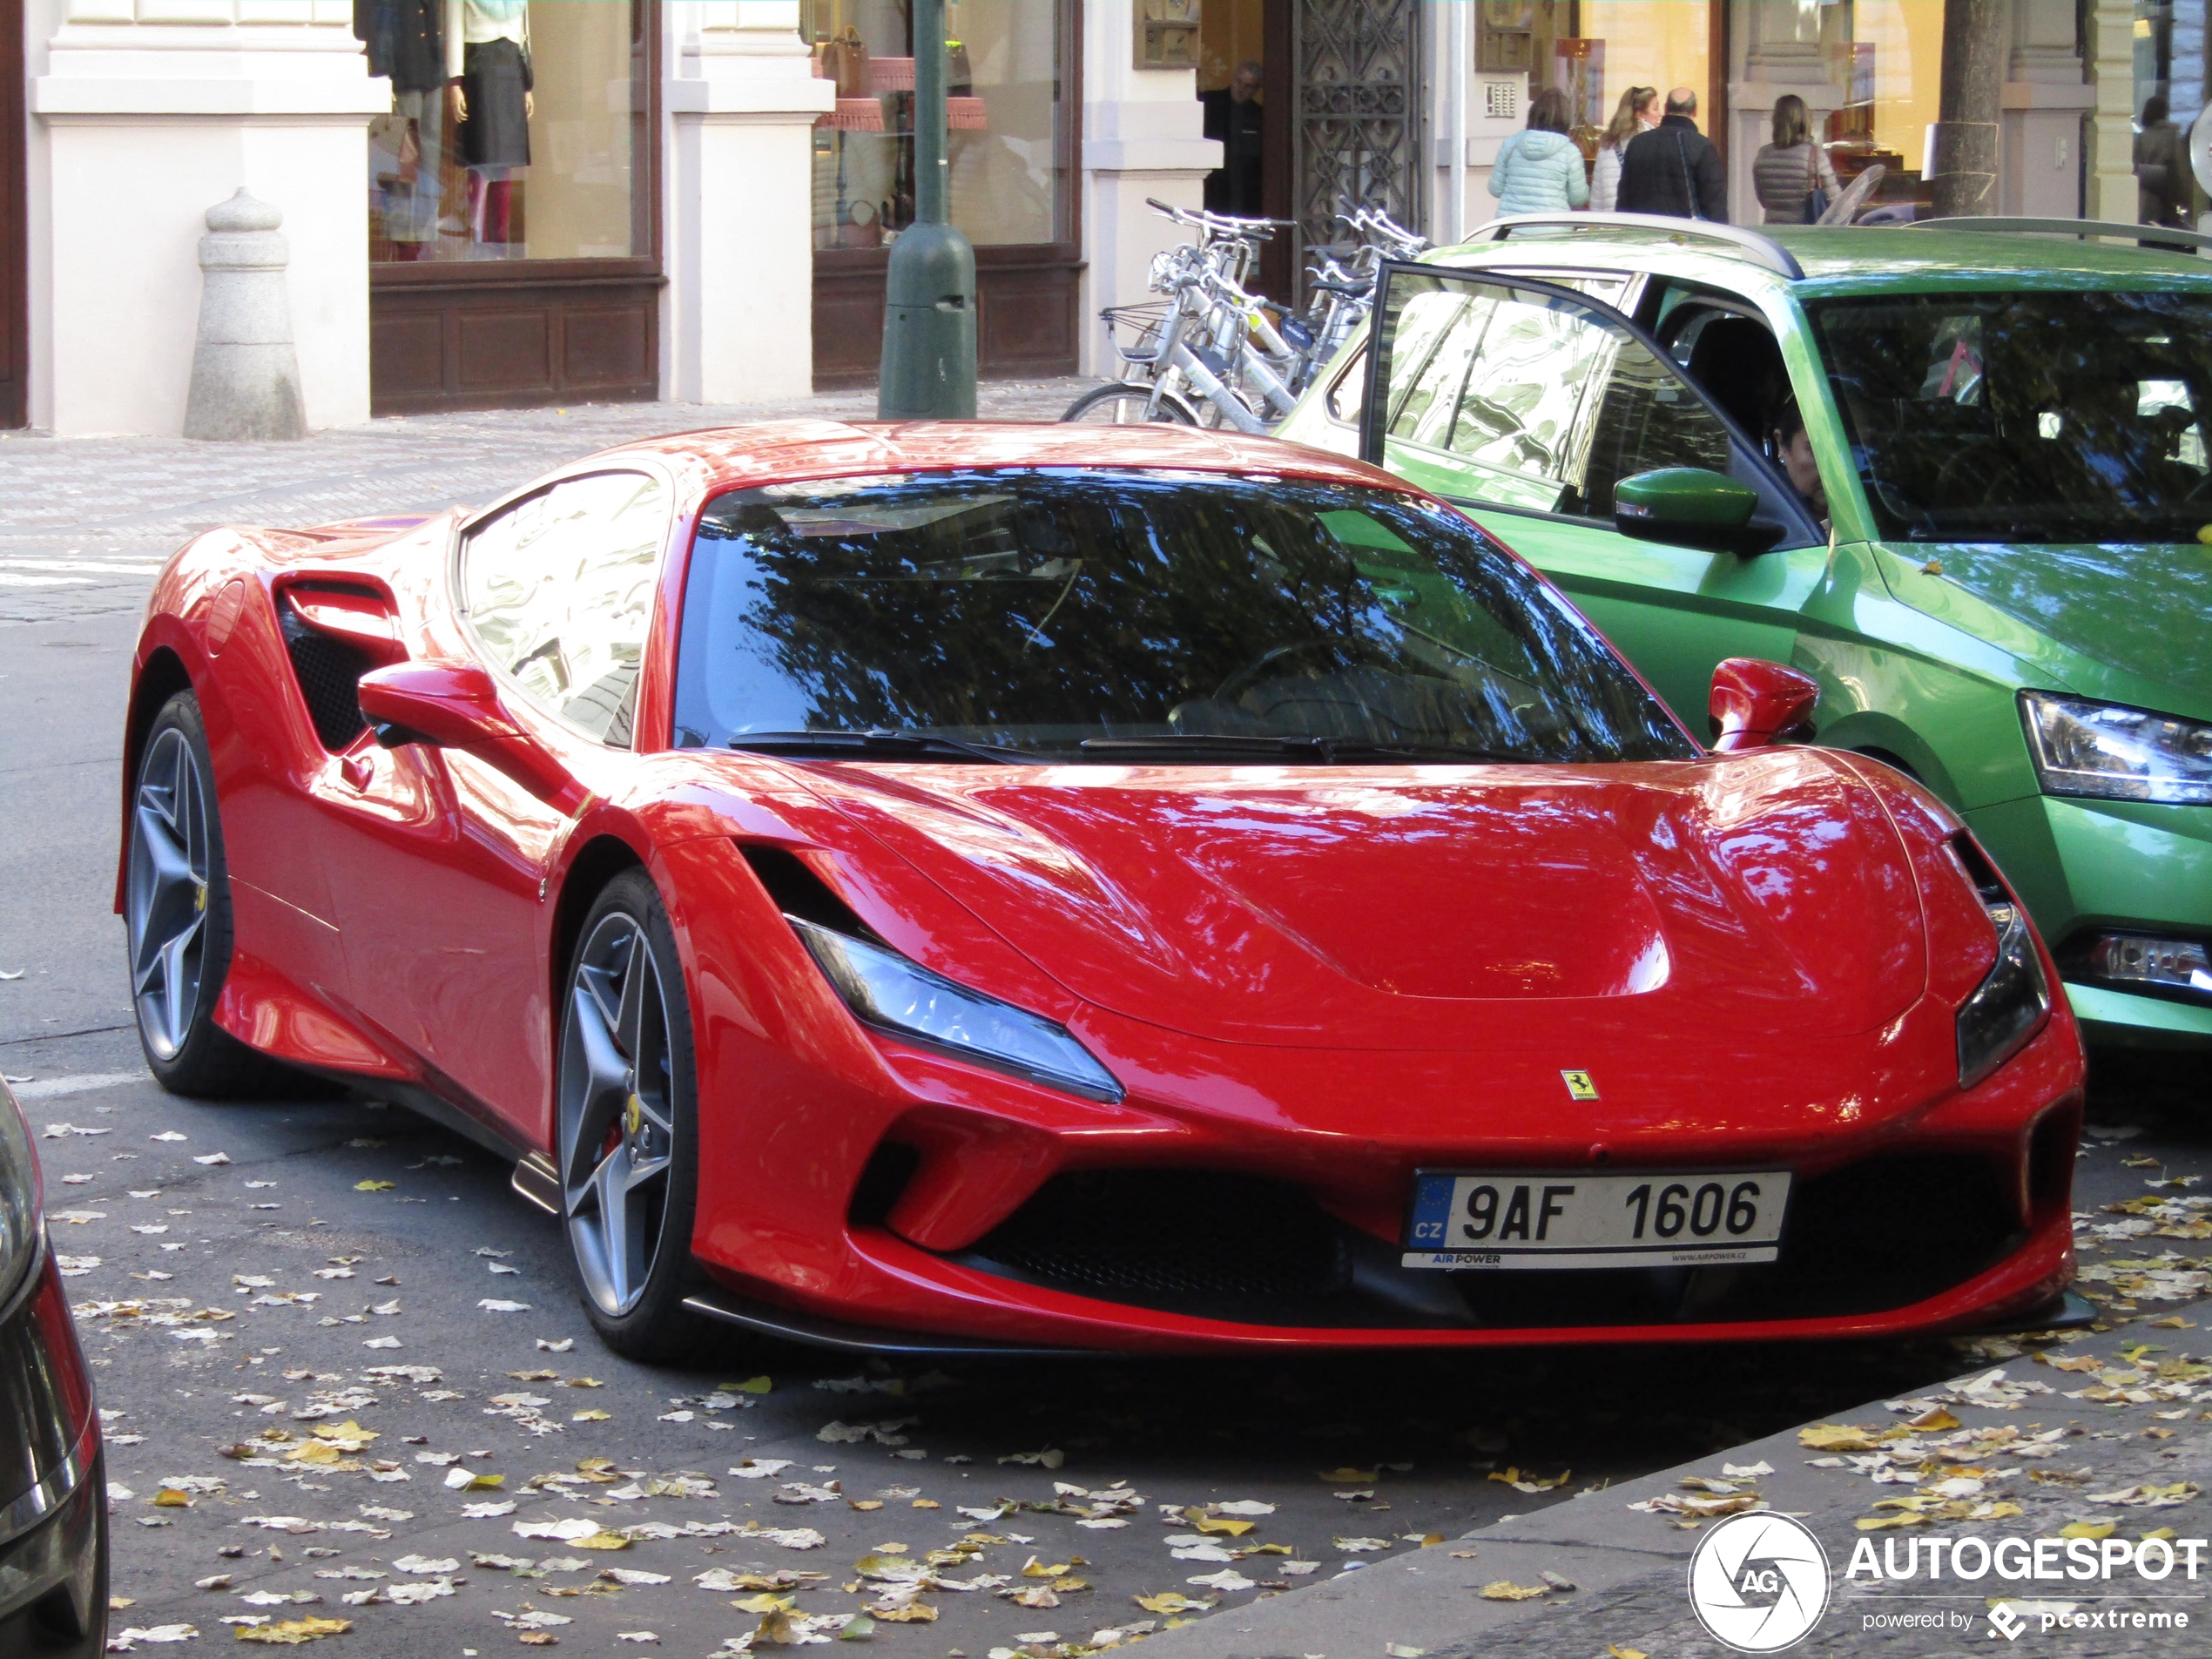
x: 1039, y: 608
x: 2048, y: 417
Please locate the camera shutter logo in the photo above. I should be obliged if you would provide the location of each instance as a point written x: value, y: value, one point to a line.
x: 1758, y: 1583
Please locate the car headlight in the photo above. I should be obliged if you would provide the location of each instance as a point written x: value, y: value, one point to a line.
x: 2110, y: 751
x: 19, y: 1195
x: 2009, y: 1005
x: 903, y: 998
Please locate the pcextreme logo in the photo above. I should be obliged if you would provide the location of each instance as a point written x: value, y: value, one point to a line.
x: 1758, y: 1583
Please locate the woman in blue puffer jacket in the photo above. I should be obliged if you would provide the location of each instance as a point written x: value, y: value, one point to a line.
x: 1539, y: 170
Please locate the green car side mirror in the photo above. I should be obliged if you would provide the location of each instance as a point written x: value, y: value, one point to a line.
x: 1691, y: 506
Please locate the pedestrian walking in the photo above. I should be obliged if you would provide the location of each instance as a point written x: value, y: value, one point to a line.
x: 1674, y: 169
x: 1638, y: 112
x: 1540, y: 169
x: 1792, y: 176
x: 2161, y: 168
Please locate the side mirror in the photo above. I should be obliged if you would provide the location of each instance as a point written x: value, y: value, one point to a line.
x: 456, y: 705
x: 447, y: 705
x: 1757, y: 703
x: 1691, y: 507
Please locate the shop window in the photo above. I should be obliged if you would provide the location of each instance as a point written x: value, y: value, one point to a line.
x: 1004, y: 113
x: 1594, y: 50
x: 532, y: 155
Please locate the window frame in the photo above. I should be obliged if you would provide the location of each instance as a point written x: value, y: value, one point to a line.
x: 1799, y: 529
x: 457, y: 592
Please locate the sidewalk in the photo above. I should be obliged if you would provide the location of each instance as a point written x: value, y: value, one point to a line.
x: 88, y: 520
x: 2013, y: 1455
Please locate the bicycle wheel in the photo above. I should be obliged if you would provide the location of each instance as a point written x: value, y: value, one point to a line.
x: 1127, y: 406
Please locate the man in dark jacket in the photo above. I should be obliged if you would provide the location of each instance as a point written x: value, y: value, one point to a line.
x: 1673, y: 168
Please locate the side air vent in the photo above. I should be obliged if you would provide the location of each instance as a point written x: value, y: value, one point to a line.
x: 797, y: 891
x: 336, y: 632
x: 329, y: 672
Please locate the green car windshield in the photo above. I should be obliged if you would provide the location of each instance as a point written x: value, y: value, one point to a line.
x: 1139, y: 617
x: 2051, y: 416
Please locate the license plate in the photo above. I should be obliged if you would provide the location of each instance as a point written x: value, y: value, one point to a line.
x: 1522, y: 1220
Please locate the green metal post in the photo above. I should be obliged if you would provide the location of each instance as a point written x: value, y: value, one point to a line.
x: 929, y: 299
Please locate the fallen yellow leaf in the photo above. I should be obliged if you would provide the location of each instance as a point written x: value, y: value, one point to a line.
x: 1170, y: 1601
x: 1219, y: 1524
x: 750, y: 1386
x: 290, y: 1632
x: 1504, y: 1589
x: 1351, y: 1477
x: 601, y: 1541
x: 2089, y: 1529
x: 913, y: 1612
x: 368, y: 1186
x: 764, y: 1604
x: 170, y: 1498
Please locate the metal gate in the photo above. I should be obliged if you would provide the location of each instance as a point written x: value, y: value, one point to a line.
x: 1356, y: 112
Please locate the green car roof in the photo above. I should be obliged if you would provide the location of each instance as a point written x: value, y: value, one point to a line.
x: 1856, y: 260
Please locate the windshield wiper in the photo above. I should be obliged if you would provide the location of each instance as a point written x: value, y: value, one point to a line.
x: 877, y: 743
x: 1327, y: 751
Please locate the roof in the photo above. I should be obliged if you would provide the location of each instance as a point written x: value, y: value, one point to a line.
x: 1858, y: 258
x: 772, y: 451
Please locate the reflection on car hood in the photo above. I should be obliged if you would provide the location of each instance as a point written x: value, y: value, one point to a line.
x: 2138, y: 608
x: 1425, y: 907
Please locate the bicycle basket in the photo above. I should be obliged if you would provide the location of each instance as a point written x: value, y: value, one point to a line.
x: 1137, y: 332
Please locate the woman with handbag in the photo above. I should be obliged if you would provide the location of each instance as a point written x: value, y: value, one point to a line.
x: 1792, y: 176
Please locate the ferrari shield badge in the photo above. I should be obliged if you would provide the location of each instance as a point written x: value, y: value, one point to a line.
x: 1579, y: 1086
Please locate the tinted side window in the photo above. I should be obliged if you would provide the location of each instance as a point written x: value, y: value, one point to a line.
x: 560, y: 591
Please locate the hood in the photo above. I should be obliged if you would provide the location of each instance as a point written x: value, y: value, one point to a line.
x: 1540, y: 145
x: 2138, y: 608
x: 1425, y: 907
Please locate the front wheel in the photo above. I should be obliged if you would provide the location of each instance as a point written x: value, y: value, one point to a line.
x: 1130, y: 405
x: 627, y: 1126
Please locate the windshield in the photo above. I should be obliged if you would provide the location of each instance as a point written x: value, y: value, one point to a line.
x: 2026, y: 417
x: 1071, y: 614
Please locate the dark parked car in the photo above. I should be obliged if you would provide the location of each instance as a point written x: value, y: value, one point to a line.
x: 53, y: 1504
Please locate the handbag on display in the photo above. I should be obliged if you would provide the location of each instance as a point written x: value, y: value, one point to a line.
x: 1816, y: 198
x: 960, y: 79
x: 845, y: 60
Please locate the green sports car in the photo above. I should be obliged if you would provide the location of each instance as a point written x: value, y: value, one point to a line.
x: 1960, y: 477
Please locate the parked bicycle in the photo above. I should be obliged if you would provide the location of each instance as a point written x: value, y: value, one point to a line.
x: 1212, y: 353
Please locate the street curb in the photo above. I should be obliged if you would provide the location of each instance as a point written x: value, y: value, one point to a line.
x: 1630, y: 1566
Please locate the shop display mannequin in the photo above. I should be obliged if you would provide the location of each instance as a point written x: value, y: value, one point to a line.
x: 489, y: 81
x: 403, y: 43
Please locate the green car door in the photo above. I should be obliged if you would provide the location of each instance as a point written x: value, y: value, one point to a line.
x: 1526, y: 404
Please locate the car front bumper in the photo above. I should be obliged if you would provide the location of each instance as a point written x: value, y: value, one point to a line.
x: 53, y: 1522
x: 1916, y: 1185
x: 2088, y: 866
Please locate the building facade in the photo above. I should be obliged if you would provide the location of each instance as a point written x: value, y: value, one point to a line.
x: 501, y: 203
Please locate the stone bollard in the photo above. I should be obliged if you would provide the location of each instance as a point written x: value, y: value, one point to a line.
x: 244, y: 374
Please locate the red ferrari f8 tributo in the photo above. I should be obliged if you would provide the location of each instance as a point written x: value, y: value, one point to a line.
x: 1053, y: 887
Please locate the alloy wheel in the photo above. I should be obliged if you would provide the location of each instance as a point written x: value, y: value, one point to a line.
x: 167, y: 898
x: 616, y: 1112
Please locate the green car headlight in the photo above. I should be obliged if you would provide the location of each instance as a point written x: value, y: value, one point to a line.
x: 2009, y: 1005
x: 2110, y: 751
x: 904, y: 998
